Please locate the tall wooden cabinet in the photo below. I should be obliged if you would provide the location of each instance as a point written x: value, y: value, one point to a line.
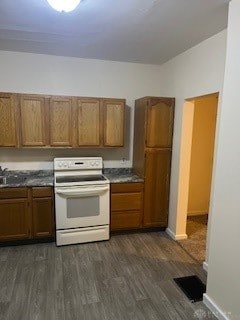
x: 153, y: 128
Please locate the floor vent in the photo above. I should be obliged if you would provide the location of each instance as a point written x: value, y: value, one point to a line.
x: 192, y: 286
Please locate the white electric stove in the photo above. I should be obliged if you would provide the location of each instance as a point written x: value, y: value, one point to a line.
x: 81, y: 200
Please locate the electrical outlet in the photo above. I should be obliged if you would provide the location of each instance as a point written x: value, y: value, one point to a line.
x: 123, y: 162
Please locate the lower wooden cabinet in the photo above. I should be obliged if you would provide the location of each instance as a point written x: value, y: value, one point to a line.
x: 15, y: 220
x: 126, y: 206
x: 42, y: 212
x: 26, y: 213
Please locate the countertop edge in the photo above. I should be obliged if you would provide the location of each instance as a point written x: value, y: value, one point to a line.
x: 48, y: 181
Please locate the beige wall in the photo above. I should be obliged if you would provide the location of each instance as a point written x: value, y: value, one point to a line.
x: 202, y: 151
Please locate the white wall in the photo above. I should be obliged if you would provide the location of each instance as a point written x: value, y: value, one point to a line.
x: 198, y: 71
x: 33, y: 73
x: 223, y: 286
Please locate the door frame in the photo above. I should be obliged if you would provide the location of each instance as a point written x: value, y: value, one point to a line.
x: 184, y: 169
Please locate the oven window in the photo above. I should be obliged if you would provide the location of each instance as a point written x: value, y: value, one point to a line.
x: 83, y: 207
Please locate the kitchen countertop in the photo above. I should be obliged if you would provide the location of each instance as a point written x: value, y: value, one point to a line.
x: 28, y: 178
x: 44, y: 178
x: 121, y: 175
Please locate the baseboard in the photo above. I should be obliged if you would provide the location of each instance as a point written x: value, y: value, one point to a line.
x: 197, y: 213
x: 211, y: 305
x: 26, y: 242
x: 137, y: 230
x: 205, y: 266
x: 176, y: 236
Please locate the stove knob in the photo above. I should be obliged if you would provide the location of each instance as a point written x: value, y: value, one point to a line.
x: 92, y: 163
x: 65, y: 164
x: 60, y: 164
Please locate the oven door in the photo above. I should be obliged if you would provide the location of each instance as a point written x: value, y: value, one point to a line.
x: 82, y: 206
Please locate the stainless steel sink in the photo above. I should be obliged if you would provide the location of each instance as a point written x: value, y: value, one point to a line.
x: 12, y: 179
x: 2, y: 180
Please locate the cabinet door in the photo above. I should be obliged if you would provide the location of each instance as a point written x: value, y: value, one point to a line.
x: 113, y: 123
x: 61, y: 122
x: 8, y: 130
x: 156, y: 194
x: 14, y: 219
x: 43, y: 218
x: 160, y: 124
x: 88, y: 122
x: 33, y: 121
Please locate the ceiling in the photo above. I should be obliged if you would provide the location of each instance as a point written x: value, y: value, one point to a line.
x: 144, y: 31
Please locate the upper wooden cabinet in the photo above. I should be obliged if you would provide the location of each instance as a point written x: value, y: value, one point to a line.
x: 113, y: 122
x: 29, y: 120
x: 33, y: 120
x: 61, y: 122
x: 159, y: 124
x: 8, y: 115
x: 88, y: 122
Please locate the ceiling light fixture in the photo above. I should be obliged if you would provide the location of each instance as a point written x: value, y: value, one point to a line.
x: 64, y: 5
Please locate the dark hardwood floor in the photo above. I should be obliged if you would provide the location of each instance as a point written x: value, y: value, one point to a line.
x: 126, y: 278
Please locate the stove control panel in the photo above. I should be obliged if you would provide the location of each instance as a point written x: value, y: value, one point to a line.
x: 78, y: 163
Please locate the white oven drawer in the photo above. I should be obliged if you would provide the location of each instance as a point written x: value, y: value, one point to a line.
x: 81, y: 235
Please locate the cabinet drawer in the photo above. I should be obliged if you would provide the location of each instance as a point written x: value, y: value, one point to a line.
x: 41, y: 192
x: 126, y: 220
x: 13, y: 193
x: 126, y: 187
x: 126, y: 201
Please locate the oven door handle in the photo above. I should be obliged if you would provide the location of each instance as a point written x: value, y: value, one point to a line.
x: 74, y: 192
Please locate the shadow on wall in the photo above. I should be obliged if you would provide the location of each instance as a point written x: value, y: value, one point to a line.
x: 42, y: 154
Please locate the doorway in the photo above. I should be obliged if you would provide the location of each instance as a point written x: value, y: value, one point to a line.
x: 200, y: 116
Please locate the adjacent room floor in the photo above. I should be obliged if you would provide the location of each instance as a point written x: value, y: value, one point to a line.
x: 196, y: 230
x: 128, y: 277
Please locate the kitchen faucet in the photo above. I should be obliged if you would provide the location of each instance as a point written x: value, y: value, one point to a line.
x: 2, y: 170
